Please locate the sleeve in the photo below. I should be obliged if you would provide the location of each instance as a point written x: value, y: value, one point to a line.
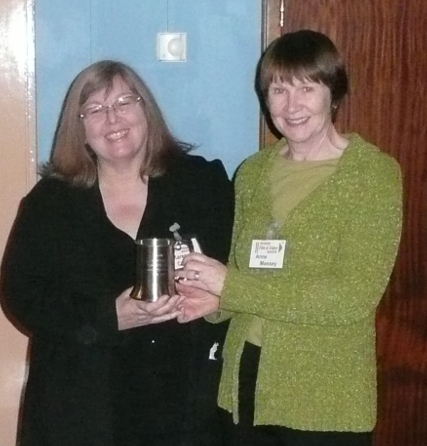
x: 39, y: 294
x: 217, y: 207
x: 351, y: 290
x: 223, y: 315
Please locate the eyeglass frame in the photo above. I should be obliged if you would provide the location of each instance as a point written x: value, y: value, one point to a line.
x: 103, y: 109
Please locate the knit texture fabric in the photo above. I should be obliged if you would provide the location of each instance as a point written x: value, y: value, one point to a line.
x: 302, y: 177
x: 317, y: 368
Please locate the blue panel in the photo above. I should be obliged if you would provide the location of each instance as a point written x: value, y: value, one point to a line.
x: 208, y: 100
x: 62, y: 50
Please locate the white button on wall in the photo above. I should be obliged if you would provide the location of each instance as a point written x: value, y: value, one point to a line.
x: 172, y: 47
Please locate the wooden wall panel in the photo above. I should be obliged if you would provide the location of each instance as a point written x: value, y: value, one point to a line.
x: 272, y: 21
x: 383, y: 43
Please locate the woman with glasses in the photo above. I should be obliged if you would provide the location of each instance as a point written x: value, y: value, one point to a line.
x: 105, y: 369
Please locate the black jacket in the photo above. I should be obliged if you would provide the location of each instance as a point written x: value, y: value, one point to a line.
x: 88, y: 383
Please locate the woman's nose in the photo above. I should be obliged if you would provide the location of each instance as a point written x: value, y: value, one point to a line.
x: 111, y: 114
x: 293, y: 103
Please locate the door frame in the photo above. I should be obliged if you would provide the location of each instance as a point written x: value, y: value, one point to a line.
x: 270, y: 30
x: 18, y: 173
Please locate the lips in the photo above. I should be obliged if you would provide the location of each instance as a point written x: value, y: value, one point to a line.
x: 297, y: 121
x: 116, y: 136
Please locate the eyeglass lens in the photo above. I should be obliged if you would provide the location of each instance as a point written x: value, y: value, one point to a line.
x: 121, y: 105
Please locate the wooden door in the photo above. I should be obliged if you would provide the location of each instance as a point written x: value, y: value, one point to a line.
x: 384, y: 44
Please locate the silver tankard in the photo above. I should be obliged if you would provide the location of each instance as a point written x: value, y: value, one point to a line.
x: 154, y: 269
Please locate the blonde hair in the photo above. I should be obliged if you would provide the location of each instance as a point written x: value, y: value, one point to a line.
x: 72, y: 159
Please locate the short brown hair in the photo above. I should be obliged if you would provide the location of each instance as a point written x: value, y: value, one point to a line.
x: 73, y: 161
x: 303, y: 54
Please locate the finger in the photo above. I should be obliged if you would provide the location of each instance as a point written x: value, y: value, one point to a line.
x: 181, y: 289
x: 196, y: 257
x: 180, y: 300
x: 188, y: 274
x: 149, y: 307
x: 182, y: 318
x: 161, y: 306
x: 168, y: 307
x: 166, y: 317
x: 192, y: 266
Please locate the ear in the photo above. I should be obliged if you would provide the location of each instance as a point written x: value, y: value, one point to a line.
x: 334, y: 111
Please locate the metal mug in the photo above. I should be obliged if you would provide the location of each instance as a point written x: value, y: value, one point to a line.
x: 155, y: 275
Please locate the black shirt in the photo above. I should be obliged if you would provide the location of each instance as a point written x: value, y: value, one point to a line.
x: 65, y: 264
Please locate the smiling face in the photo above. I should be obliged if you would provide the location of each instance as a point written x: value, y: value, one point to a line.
x: 117, y: 134
x: 301, y: 110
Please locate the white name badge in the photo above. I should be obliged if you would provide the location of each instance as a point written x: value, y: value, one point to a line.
x: 182, y: 248
x: 267, y: 254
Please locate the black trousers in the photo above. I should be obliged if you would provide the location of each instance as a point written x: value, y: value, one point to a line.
x: 245, y: 433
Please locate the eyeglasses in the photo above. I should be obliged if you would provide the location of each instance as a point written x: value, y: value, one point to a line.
x: 97, y: 112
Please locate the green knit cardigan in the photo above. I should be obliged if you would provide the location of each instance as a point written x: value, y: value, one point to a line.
x: 317, y: 368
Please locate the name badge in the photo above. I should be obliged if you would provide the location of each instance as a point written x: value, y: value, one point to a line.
x: 267, y: 254
x: 184, y: 247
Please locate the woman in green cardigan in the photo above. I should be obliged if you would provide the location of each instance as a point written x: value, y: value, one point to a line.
x: 318, y: 222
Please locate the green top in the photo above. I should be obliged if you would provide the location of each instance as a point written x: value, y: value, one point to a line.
x: 317, y: 368
x: 302, y: 178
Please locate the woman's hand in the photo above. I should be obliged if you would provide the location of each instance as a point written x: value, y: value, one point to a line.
x: 196, y: 303
x: 133, y: 313
x: 202, y: 272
